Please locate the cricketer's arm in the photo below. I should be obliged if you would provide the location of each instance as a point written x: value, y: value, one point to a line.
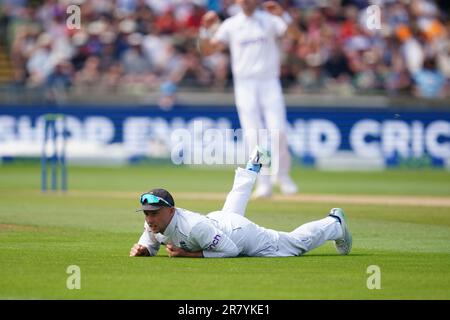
x: 276, y: 9
x: 206, y: 44
x: 174, y: 251
x: 147, y: 244
x: 214, y: 244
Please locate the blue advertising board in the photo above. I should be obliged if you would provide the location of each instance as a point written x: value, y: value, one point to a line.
x: 395, y: 136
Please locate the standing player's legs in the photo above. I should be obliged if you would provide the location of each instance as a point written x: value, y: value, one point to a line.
x: 274, y: 110
x: 239, y: 195
x: 251, y: 119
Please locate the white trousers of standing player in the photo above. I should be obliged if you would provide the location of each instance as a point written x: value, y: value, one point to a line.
x: 260, y: 105
x: 303, y: 239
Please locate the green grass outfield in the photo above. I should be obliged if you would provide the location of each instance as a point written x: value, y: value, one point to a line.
x: 94, y: 226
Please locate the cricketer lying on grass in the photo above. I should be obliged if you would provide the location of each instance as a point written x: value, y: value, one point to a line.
x: 227, y: 233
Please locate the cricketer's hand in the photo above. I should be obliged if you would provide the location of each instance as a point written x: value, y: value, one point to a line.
x: 209, y: 19
x: 138, y: 250
x: 175, y: 251
x: 273, y: 7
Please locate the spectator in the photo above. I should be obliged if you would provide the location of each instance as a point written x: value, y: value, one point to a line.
x: 166, y: 22
x: 397, y: 78
x: 429, y: 81
x: 89, y: 75
x: 111, y: 79
x: 157, y: 48
x: 137, y: 67
x: 40, y: 64
x: 59, y: 81
x: 335, y: 48
x: 337, y: 65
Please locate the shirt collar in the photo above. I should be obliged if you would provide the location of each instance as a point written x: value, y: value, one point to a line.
x: 170, y: 229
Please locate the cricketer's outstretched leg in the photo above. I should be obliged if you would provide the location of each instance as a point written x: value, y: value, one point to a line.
x: 244, y: 180
x: 239, y: 195
x: 314, y: 234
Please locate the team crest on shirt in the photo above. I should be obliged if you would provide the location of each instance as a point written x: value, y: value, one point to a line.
x: 183, y: 245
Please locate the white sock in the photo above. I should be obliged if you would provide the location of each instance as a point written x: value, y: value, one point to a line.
x: 336, y: 233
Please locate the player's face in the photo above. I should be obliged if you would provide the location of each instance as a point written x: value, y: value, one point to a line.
x: 158, y: 220
x: 248, y: 5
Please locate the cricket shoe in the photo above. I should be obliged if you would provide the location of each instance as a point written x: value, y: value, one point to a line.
x: 344, y: 244
x: 262, y: 191
x: 258, y: 158
x: 263, y: 185
x: 287, y: 185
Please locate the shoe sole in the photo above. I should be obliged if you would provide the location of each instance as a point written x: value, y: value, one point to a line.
x: 288, y: 191
x: 263, y: 156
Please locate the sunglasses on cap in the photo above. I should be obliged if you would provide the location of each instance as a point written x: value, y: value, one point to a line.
x: 151, y: 199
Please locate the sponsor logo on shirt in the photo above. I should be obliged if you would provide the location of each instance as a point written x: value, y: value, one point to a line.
x: 215, y: 242
x: 253, y: 41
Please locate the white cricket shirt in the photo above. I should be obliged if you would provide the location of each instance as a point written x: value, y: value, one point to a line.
x: 219, y: 234
x: 254, y: 44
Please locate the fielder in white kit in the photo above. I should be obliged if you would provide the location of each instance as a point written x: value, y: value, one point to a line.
x: 227, y: 233
x: 253, y: 37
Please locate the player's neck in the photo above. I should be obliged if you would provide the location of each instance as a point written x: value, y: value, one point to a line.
x: 249, y: 12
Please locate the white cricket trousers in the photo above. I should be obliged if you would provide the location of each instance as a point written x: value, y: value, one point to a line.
x: 271, y: 243
x: 260, y: 105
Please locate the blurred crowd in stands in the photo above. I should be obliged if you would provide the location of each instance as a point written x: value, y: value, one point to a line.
x: 150, y: 45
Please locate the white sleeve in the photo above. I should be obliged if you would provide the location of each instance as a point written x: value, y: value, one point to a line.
x: 223, y: 33
x: 149, y: 241
x: 279, y: 25
x: 214, y: 242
